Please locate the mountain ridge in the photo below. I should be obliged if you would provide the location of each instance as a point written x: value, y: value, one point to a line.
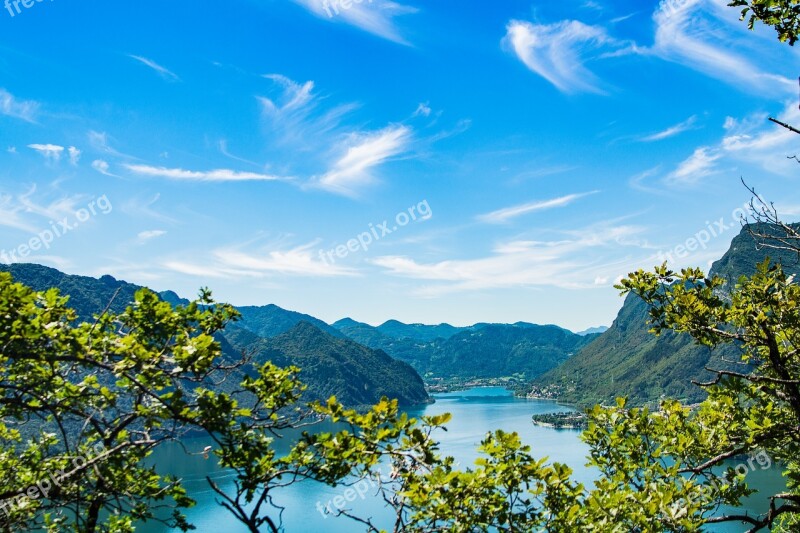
x: 628, y: 360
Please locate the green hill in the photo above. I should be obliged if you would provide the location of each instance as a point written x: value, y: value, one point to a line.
x: 418, y: 332
x: 480, y: 351
x: 271, y: 320
x: 357, y: 375
x: 503, y: 350
x: 627, y: 360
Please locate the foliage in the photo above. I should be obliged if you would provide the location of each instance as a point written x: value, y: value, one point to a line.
x: 82, y: 405
x: 646, y: 368
x: 783, y: 15
x: 356, y: 375
x: 480, y: 352
x: 331, y: 366
x: 112, y: 390
x: 658, y: 471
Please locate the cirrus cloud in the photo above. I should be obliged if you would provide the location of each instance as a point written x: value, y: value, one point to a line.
x: 191, y: 175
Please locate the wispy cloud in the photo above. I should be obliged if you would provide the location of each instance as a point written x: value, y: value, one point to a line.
x: 705, y: 35
x: 74, y: 155
x: 30, y: 211
x: 300, y: 261
x: 672, y: 131
x: 364, y: 152
x: 100, y: 141
x: 145, y: 207
x: 700, y: 164
x: 102, y: 167
x: 375, y: 16
x: 526, y: 263
x: 51, y: 152
x: 504, y: 215
x: 145, y: 236
x: 190, y: 175
x: 13, y: 107
x: 163, y: 72
x: 295, y: 117
x: 559, y: 52
x: 754, y: 141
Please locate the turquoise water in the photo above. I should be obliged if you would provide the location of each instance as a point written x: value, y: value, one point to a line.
x: 475, y: 412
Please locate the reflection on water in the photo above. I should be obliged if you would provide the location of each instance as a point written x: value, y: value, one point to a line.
x: 475, y: 413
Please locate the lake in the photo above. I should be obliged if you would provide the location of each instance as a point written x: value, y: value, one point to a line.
x: 475, y: 412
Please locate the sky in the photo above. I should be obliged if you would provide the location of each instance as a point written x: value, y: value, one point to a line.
x: 426, y: 161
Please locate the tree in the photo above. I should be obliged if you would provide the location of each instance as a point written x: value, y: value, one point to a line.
x: 783, y: 15
x: 83, y: 405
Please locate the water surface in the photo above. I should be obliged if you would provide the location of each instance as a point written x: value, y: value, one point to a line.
x: 475, y: 413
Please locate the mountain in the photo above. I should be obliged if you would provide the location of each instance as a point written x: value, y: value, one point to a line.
x: 499, y: 350
x: 357, y: 375
x: 418, y: 332
x: 87, y: 296
x: 479, y: 351
x: 627, y: 360
x: 416, y: 353
x: 591, y: 331
x: 271, y: 320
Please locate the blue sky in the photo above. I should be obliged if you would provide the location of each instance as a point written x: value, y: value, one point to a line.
x: 505, y: 160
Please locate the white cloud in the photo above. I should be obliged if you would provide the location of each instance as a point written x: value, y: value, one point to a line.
x: 363, y: 153
x: 163, y: 72
x: 423, y: 110
x: 99, y: 140
x: 51, y: 152
x: 74, y: 155
x: 558, y: 52
x: 24, y: 212
x: 526, y: 263
x: 102, y: 167
x: 373, y: 16
x: 146, y: 236
x: 705, y: 35
x: 700, y: 164
x: 752, y: 141
x: 760, y: 142
x: 672, y: 131
x: 294, y: 115
x: 301, y: 261
x: 22, y: 109
x: 190, y: 175
x: 506, y: 214
x: 296, y: 95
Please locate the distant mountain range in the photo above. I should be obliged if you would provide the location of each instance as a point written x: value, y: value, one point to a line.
x: 627, y: 360
x: 590, y: 331
x: 330, y: 365
x: 359, y: 363
x: 479, y: 351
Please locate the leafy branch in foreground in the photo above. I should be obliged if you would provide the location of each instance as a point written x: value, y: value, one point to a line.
x: 783, y: 15
x: 82, y: 406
